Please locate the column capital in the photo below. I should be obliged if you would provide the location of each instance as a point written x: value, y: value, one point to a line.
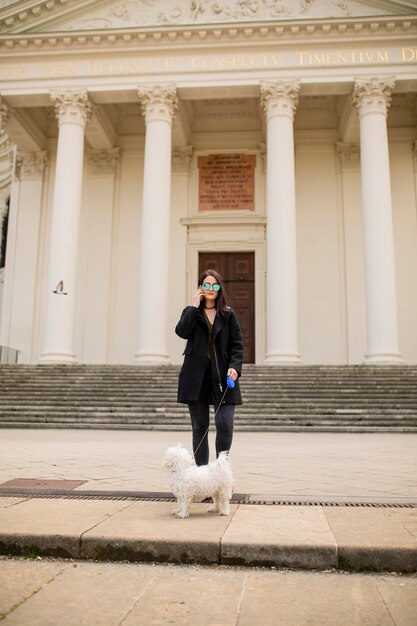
x: 30, y: 165
x: 4, y: 115
x: 373, y: 95
x: 181, y: 158
x: 280, y: 97
x: 103, y: 162
x: 72, y: 107
x: 159, y: 102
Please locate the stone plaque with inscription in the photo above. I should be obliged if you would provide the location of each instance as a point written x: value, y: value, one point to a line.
x: 227, y: 182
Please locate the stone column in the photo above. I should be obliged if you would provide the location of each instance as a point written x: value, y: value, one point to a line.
x: 352, y: 296
x: 159, y: 104
x: 73, y: 111
x: 97, y: 262
x: 23, y: 326
x: 280, y: 101
x: 372, y: 98
x: 9, y: 199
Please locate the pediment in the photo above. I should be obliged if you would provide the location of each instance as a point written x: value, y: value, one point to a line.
x: 29, y: 16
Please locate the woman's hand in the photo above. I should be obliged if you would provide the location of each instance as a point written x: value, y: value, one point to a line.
x: 232, y: 373
x: 197, y: 297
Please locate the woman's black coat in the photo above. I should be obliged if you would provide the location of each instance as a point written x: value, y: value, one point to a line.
x: 227, y: 352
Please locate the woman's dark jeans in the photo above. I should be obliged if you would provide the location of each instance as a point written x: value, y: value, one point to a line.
x: 199, y: 412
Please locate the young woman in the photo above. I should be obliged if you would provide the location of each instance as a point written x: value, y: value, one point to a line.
x: 214, y: 351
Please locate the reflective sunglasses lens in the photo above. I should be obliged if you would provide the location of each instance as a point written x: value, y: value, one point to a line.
x: 208, y: 286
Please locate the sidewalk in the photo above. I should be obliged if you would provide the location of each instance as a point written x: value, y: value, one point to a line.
x: 350, y: 468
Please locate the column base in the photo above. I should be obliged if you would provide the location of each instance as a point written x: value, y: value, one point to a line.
x: 57, y: 357
x: 151, y: 359
x: 282, y: 359
x: 384, y: 358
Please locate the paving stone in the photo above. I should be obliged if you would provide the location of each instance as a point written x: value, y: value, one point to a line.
x: 185, y: 596
x: 371, y: 539
x: 400, y: 596
x: 84, y: 595
x: 111, y: 594
x: 6, y: 502
x: 407, y: 518
x: 148, y: 531
x: 302, y: 598
x: 279, y: 535
x: 342, y: 464
x: 51, y: 527
x: 20, y: 580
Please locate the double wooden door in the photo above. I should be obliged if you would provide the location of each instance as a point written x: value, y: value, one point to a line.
x: 238, y: 272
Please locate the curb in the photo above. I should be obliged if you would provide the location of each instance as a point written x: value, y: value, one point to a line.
x: 309, y: 557
x: 301, y: 537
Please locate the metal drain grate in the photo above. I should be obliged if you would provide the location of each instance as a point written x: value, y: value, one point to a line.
x: 237, y: 498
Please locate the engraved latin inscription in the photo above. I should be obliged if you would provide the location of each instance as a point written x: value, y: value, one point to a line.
x: 227, y: 182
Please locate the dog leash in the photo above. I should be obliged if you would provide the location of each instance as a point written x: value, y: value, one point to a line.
x: 230, y: 383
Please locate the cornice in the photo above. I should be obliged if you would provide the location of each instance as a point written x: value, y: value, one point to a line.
x: 348, y: 30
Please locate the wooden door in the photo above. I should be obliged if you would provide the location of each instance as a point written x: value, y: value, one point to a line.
x: 238, y: 272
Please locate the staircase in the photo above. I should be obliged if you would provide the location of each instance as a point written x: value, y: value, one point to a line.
x: 298, y: 398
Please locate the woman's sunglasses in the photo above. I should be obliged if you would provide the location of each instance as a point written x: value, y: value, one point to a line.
x: 208, y: 286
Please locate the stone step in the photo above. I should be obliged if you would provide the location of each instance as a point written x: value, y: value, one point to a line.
x: 352, y: 398
x: 245, y: 409
x: 167, y: 417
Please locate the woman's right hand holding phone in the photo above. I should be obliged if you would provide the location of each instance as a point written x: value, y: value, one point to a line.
x: 197, y: 297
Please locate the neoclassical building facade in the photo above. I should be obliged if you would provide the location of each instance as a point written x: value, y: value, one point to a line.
x: 144, y: 140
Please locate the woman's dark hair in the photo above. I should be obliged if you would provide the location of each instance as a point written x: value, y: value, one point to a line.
x: 221, y: 300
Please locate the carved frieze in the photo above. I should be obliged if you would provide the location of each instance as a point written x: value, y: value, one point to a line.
x: 154, y: 12
x: 4, y: 114
x: 103, y: 162
x: 72, y: 106
x: 30, y: 165
x: 349, y: 155
x: 6, y: 148
x: 181, y: 158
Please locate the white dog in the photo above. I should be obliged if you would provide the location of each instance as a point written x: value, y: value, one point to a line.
x: 190, y: 482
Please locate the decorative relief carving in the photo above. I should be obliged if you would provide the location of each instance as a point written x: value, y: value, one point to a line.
x: 280, y: 98
x: 181, y: 158
x: 30, y: 165
x: 349, y: 154
x: 4, y: 115
x: 373, y: 95
x: 153, y: 12
x: 6, y: 148
x: 159, y: 102
x: 72, y: 107
x: 103, y: 162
